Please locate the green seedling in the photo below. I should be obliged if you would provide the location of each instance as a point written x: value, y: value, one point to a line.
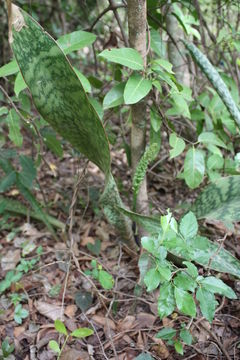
x: 61, y: 329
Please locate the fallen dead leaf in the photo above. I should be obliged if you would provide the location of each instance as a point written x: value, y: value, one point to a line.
x: 127, y: 324
x: 18, y: 330
x: 10, y: 260
x: 70, y: 311
x: 73, y: 354
x: 100, y: 320
x: 160, y: 349
x: 51, y: 311
x: 145, y: 320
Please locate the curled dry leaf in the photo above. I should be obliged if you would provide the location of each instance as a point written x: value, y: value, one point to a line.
x: 51, y: 311
x: 10, y: 260
x: 100, y: 320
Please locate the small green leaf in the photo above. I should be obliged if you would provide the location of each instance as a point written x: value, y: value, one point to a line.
x: 28, y: 173
x: 152, y: 279
x: 3, y: 110
x: 207, y: 303
x: 95, y: 248
x: 54, y: 346
x: 84, y: 81
x: 185, y: 302
x: 13, y: 121
x: 137, y: 87
x: 166, y: 301
x: 211, y: 138
x: 82, y: 332
x: 185, y: 282
x: 114, y: 97
x: 125, y: 56
x: 20, y: 313
x: 186, y: 336
x: 178, y: 347
x: 166, y: 65
x: 194, y: 167
x: 144, y: 356
x: 19, y: 84
x: 215, y: 162
x: 60, y: 327
x: 83, y: 300
x: 166, y: 333
x: 156, y: 120
x: 177, y: 144
x: 106, y: 280
x: 216, y: 285
x: 188, y: 226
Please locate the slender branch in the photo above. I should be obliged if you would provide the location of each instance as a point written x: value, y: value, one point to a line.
x: 109, y: 8
x: 124, y: 36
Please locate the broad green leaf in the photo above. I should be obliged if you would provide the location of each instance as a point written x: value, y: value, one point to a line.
x: 164, y: 271
x: 28, y: 173
x: 152, y: 279
x: 215, y: 162
x: 166, y: 334
x: 194, y: 167
x: 97, y: 107
x: 13, y: 121
x: 180, y: 104
x: 54, y: 346
x: 114, y: 97
x: 211, y: 138
x: 186, y: 336
x: 166, y: 65
x: 188, y: 226
x: 57, y: 92
x: 137, y: 87
x: 84, y: 81
x: 191, y: 269
x: 166, y: 300
x: 9, y: 69
x: 157, y: 44
x: 81, y: 333
x: 19, y: 84
x: 185, y: 302
x: 75, y: 41
x: 106, y: 280
x: 50, y: 139
x: 185, y: 282
x: 125, y: 56
x: 220, y: 200
x: 207, y: 303
x: 60, y: 327
x: 177, y: 144
x: 216, y: 285
x: 95, y: 248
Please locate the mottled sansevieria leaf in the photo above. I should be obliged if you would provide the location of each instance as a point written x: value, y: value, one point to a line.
x: 215, y: 79
x: 220, y: 200
x: 200, y: 249
x: 61, y: 100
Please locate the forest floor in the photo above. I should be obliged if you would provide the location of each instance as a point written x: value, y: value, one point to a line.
x: 125, y: 323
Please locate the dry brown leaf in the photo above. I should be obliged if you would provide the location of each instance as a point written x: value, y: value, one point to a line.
x: 51, y: 311
x: 127, y: 324
x: 100, y: 320
x: 10, y: 260
x: 18, y: 330
x: 145, y: 320
x: 160, y: 349
x: 71, y: 310
x: 73, y: 354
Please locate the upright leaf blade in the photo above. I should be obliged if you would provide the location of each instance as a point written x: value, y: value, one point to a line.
x: 56, y: 90
x: 194, y: 167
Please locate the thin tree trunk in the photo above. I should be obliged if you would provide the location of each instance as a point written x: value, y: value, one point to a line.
x: 137, y: 38
x: 176, y: 54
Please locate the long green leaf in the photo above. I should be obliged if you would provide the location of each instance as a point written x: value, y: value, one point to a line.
x: 215, y: 79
